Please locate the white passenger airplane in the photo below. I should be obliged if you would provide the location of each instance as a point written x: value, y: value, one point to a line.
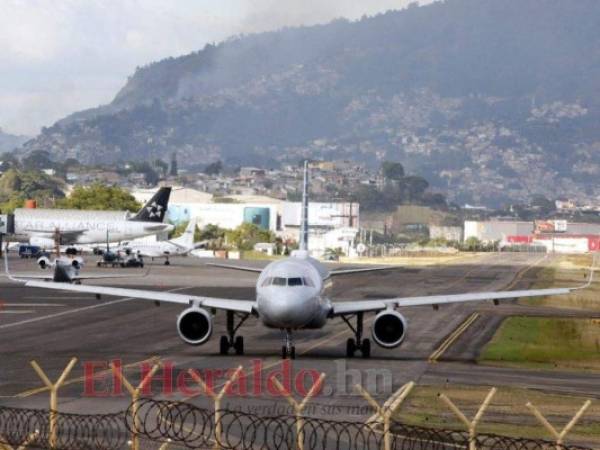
x: 163, y: 249
x: 65, y: 269
x: 38, y: 226
x: 290, y: 295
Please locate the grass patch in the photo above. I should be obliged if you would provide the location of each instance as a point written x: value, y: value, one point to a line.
x: 546, y: 343
x: 567, y: 270
x: 506, y: 415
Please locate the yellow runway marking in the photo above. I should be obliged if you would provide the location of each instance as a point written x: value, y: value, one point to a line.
x: 452, y: 338
x: 433, y: 358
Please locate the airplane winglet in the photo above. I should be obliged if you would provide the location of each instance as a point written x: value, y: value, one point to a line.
x: 8, y: 274
x: 590, y: 278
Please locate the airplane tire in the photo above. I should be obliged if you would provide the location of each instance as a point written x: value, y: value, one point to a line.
x: 167, y: 263
x: 350, y: 347
x: 239, y: 345
x: 224, y: 345
x: 365, y: 348
x: 284, y: 354
x: 293, y: 352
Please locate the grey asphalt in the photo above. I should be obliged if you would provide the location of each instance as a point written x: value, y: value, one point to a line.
x: 51, y: 327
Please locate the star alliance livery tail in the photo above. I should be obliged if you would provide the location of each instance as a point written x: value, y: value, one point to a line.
x: 304, y: 222
x: 155, y: 209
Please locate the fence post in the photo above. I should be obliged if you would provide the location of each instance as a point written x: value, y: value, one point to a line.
x: 471, y: 425
x: 385, y: 411
x: 135, y: 397
x: 299, y: 407
x: 53, y: 387
x: 216, y: 398
x: 165, y: 446
x: 558, y: 436
x: 28, y: 440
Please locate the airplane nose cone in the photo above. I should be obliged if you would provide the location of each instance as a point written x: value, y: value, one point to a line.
x: 286, y: 309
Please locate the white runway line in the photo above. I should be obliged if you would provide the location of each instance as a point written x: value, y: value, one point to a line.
x: 17, y: 311
x: 44, y: 305
x: 76, y: 310
x: 59, y: 297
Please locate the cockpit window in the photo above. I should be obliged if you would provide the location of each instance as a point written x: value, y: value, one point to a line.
x: 295, y: 281
x: 279, y: 281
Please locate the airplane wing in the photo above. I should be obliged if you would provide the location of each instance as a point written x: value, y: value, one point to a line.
x: 334, y: 273
x: 234, y: 267
x: 48, y: 277
x: 343, y: 308
x: 65, y: 235
x: 243, y: 306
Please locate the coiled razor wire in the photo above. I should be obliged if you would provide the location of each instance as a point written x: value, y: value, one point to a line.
x: 182, y: 423
x: 74, y: 431
x: 189, y: 426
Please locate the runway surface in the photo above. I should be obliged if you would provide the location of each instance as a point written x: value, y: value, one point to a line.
x: 51, y: 327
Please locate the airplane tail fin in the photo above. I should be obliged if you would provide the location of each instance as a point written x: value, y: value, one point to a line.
x: 303, y: 244
x: 187, y: 238
x: 154, y: 210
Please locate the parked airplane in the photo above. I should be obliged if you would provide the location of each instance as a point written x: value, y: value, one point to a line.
x: 163, y: 249
x: 291, y: 295
x: 65, y: 269
x: 87, y: 227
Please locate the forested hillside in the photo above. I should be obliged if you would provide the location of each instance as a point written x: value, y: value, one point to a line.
x: 490, y: 100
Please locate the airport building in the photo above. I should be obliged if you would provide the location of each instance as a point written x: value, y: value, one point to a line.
x: 332, y: 224
x: 554, y: 236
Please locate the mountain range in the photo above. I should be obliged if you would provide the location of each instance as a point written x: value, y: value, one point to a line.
x: 492, y: 101
x: 9, y: 142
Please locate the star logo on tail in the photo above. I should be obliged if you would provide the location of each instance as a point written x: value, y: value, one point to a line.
x: 155, y: 210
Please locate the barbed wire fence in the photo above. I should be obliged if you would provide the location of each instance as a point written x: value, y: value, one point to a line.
x: 149, y: 423
x: 168, y: 424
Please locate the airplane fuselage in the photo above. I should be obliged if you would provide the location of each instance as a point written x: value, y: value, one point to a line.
x: 40, y: 225
x: 291, y: 294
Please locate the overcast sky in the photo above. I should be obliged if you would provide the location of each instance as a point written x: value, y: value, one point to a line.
x: 61, y: 56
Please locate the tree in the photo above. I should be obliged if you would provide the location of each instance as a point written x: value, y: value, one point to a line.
x: 392, y: 170
x: 472, y: 244
x: 413, y: 188
x: 39, y: 159
x: 214, y: 168
x: 542, y: 204
x: 247, y: 235
x: 174, y: 171
x: 100, y: 197
x: 210, y: 232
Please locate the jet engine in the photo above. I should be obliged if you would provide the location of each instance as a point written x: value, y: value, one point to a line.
x: 77, y: 263
x: 194, y: 325
x: 44, y: 262
x: 389, y: 329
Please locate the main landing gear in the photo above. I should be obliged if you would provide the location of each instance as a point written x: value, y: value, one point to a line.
x: 231, y: 340
x: 288, y: 350
x: 357, y: 343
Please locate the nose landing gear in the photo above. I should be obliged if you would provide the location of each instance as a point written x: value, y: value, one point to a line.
x: 288, y: 349
x: 231, y: 340
x: 357, y: 343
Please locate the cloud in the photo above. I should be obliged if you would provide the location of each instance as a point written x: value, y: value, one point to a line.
x: 58, y: 57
